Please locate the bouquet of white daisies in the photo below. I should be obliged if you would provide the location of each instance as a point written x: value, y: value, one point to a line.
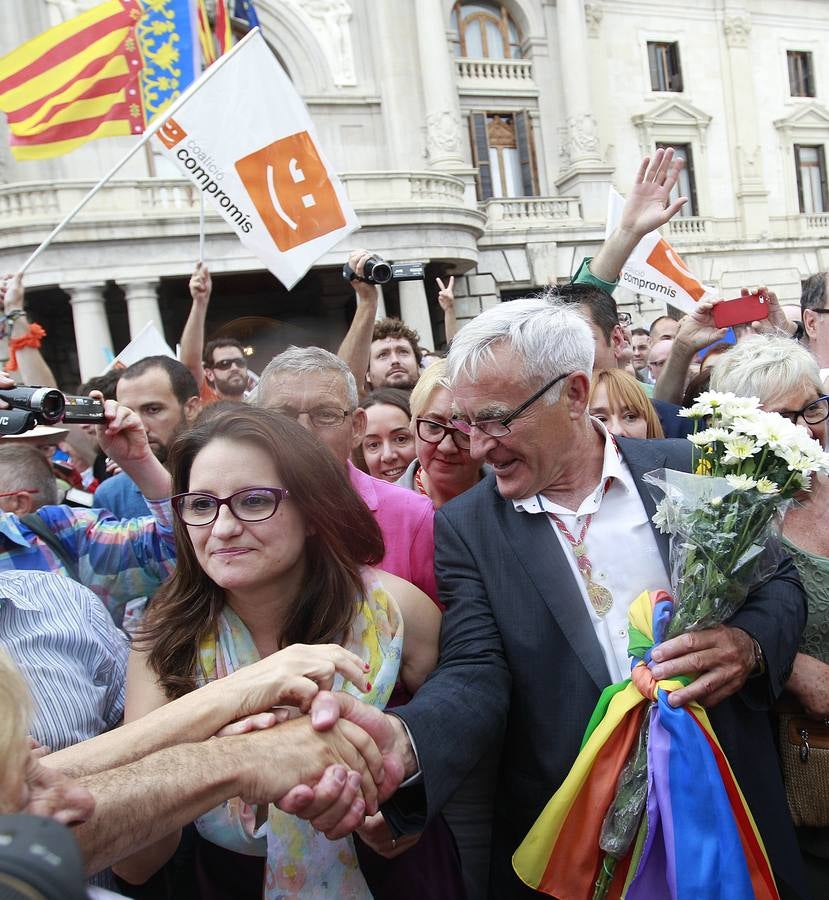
x: 724, y: 520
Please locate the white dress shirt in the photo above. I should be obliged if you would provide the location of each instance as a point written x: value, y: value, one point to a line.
x: 620, y: 545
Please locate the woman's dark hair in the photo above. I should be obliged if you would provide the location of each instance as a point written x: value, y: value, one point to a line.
x: 697, y: 385
x: 345, y: 536
x: 390, y: 397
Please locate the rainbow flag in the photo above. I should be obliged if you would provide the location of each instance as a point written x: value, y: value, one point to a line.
x: 697, y: 837
x: 104, y: 73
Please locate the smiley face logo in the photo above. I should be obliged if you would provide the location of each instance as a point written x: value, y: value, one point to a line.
x: 171, y: 133
x: 290, y: 187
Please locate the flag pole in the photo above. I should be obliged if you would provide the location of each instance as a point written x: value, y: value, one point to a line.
x: 201, y: 226
x: 151, y: 130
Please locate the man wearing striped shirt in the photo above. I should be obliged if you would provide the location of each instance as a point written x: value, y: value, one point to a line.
x: 71, y: 654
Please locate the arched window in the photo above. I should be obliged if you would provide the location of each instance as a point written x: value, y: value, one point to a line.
x: 484, y: 31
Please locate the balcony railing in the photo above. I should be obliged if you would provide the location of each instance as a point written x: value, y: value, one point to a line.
x: 518, y: 213
x: 403, y: 187
x: 690, y: 226
x: 487, y: 76
x: 817, y: 222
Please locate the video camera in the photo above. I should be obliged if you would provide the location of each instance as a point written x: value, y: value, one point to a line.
x: 31, y: 406
x: 39, y: 858
x: 378, y: 271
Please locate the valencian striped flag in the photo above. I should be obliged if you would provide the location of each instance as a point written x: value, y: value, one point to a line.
x: 104, y: 73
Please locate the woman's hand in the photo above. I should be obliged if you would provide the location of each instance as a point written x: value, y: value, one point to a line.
x: 809, y: 682
x: 376, y: 834
x: 292, y: 677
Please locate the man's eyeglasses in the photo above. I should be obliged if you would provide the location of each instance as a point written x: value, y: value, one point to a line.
x: 320, y: 416
x: 250, y: 505
x: 500, y: 427
x: 434, y: 432
x: 813, y: 413
x: 19, y: 491
x: 224, y: 364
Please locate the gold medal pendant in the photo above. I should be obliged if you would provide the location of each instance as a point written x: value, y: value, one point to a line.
x: 600, y: 598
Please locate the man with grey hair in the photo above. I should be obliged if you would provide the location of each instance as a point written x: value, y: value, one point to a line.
x: 538, y: 565
x: 814, y: 306
x: 27, y: 481
x: 318, y: 389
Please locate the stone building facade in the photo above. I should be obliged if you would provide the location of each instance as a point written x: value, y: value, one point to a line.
x: 480, y: 138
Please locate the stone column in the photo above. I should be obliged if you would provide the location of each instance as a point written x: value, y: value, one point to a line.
x: 414, y: 311
x: 92, y: 336
x: 584, y: 174
x: 752, y: 196
x: 440, y: 93
x: 142, y: 305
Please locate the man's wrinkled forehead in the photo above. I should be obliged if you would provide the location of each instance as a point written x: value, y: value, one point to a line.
x: 313, y: 388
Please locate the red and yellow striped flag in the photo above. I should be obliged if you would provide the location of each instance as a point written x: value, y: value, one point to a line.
x: 75, y: 82
x: 223, y: 33
x: 208, y: 48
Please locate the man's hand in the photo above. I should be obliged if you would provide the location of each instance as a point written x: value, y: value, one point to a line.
x: 6, y: 384
x: 647, y: 205
x: 698, y: 329
x: 201, y: 284
x: 377, y: 835
x: 777, y: 320
x: 322, y: 803
x: 722, y: 659
x: 290, y: 677
x: 11, y: 292
x: 55, y: 795
x: 123, y: 437
x: 366, y: 293
x: 446, y: 296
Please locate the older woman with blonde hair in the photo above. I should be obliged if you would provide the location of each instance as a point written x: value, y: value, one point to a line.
x: 443, y: 467
x: 617, y: 399
x: 786, y: 379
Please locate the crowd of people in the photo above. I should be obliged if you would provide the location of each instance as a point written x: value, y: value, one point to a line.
x: 336, y: 630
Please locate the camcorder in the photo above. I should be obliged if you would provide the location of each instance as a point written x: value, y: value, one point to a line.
x: 378, y: 271
x: 39, y: 858
x: 31, y: 406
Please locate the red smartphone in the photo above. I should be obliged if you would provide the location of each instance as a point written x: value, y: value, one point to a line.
x: 741, y: 311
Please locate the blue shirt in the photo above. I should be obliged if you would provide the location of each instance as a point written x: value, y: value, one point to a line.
x: 72, y: 656
x: 120, y: 495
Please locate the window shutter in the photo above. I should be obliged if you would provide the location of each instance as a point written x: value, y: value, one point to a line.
x: 480, y: 153
x: 800, y: 198
x: 676, y: 70
x: 653, y: 62
x: 526, y: 153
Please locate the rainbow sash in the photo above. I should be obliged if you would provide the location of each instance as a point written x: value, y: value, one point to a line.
x: 697, y: 837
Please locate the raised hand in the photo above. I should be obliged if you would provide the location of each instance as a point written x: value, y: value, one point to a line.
x: 647, y: 206
x: 122, y: 437
x: 446, y: 297
x: 698, y: 329
x: 11, y: 292
x: 201, y: 284
x: 357, y: 260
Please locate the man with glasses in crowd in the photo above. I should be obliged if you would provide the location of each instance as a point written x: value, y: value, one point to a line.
x: 537, y: 566
x: 814, y: 306
x: 319, y: 390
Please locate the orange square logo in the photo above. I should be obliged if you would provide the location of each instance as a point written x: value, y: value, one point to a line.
x: 291, y: 190
x: 171, y: 133
x: 666, y: 260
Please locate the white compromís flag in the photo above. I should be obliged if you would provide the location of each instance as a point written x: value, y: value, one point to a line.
x: 148, y: 342
x: 655, y: 268
x: 244, y: 137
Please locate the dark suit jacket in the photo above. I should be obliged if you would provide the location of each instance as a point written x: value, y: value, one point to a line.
x: 520, y: 659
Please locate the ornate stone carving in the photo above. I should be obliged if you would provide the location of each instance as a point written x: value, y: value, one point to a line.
x: 442, y: 135
x: 593, y: 13
x: 579, y: 138
x: 737, y: 30
x: 329, y: 22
